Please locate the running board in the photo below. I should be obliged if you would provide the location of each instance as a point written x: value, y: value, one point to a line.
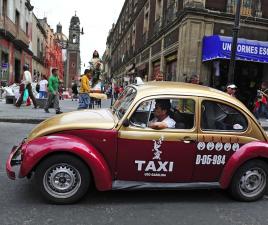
x: 134, y: 185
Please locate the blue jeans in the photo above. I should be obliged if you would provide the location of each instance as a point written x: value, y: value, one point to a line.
x: 84, y: 101
x: 262, y: 110
x: 42, y: 94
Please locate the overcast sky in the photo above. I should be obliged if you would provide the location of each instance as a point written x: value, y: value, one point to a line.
x: 96, y: 17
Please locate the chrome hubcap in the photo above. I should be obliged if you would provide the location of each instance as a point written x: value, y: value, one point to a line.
x: 62, y: 181
x: 253, y: 182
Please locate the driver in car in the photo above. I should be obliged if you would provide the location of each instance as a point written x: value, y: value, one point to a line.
x: 161, y: 118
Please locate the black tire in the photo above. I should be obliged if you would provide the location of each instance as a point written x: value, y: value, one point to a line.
x: 62, y: 179
x: 250, y: 181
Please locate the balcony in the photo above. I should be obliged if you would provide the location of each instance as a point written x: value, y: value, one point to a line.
x: 21, y: 37
x: 13, y: 31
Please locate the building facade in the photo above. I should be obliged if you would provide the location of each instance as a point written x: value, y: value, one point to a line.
x: 52, y: 51
x: 39, y: 37
x: 15, y: 38
x: 168, y: 35
x: 24, y: 39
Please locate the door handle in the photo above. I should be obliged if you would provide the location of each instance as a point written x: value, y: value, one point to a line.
x: 187, y: 140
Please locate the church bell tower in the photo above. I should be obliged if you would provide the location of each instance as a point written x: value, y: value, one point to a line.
x: 73, y: 52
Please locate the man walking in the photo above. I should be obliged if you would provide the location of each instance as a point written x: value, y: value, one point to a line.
x: 43, y: 87
x: 84, y: 99
x: 27, y: 81
x: 53, y: 92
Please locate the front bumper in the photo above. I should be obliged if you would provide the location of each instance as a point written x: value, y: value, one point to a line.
x: 14, y: 159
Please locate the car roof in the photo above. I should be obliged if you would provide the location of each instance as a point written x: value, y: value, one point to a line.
x: 187, y: 89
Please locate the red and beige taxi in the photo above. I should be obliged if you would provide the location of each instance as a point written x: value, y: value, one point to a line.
x: 215, y: 143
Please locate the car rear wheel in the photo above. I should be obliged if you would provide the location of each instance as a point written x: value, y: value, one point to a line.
x: 62, y: 179
x: 250, y: 181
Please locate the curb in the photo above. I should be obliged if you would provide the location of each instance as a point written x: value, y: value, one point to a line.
x: 29, y: 121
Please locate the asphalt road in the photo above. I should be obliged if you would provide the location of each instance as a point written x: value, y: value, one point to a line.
x: 21, y: 204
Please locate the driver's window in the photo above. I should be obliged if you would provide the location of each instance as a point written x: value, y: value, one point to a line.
x: 221, y: 117
x: 179, y: 115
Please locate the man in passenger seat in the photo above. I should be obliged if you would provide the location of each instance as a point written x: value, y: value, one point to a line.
x: 161, y: 118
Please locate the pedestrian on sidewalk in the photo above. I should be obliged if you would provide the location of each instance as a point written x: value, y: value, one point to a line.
x: 53, y: 92
x: 195, y: 79
x: 43, y: 87
x: 159, y: 76
x: 84, y: 98
x: 231, y: 90
x: 27, y: 81
x: 61, y: 89
x: 75, y: 91
x: 261, y: 103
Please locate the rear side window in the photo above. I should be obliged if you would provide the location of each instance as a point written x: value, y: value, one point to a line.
x: 222, y: 117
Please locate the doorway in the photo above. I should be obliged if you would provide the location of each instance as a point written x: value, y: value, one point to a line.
x: 17, y: 71
x: 248, y: 76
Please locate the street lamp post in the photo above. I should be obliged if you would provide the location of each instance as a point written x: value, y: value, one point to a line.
x: 234, y: 43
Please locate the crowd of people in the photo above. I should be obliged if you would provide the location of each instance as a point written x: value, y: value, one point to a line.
x: 91, y: 90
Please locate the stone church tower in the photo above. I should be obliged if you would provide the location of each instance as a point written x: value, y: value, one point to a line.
x: 73, y: 52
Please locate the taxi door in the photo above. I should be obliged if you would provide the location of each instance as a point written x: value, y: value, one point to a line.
x: 149, y: 155
x: 223, y: 129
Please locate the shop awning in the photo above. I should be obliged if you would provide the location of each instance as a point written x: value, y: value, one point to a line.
x: 219, y: 47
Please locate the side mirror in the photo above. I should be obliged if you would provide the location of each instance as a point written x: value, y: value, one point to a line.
x: 126, y: 123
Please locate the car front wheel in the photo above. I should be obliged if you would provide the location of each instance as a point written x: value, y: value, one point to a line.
x: 62, y: 179
x: 250, y: 181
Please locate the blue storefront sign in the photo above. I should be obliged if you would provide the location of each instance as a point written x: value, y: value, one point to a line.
x: 219, y: 47
x: 4, y: 66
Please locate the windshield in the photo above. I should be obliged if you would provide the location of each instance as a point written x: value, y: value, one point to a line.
x: 124, y: 101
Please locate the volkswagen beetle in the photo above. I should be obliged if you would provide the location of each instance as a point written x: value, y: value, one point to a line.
x: 215, y: 143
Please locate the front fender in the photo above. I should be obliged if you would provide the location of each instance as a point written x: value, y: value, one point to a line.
x: 247, y: 152
x: 37, y: 149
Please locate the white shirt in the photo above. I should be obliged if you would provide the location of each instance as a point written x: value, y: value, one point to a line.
x: 168, y: 121
x: 27, y: 77
x: 43, y: 85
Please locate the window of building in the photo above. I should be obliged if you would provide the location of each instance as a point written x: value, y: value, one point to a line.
x: 133, y: 35
x: 74, y: 38
x: 172, y: 3
x: 27, y: 28
x: 17, y: 19
x: 248, y: 7
x: 4, y: 7
x: 158, y: 9
x: 128, y: 42
x: 135, y: 5
x: 171, y: 11
x: 38, y: 47
x: 146, y: 22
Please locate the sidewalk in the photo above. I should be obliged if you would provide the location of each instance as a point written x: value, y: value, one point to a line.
x: 9, y: 113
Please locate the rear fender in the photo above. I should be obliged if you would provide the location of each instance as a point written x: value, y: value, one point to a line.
x: 247, y: 152
x: 35, y: 150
